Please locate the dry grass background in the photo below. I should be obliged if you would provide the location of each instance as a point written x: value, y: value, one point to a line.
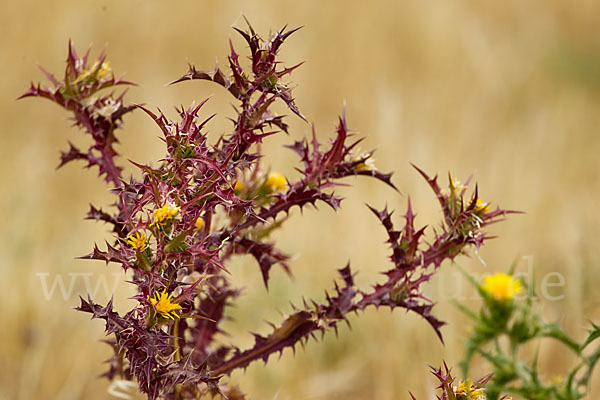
x: 508, y: 91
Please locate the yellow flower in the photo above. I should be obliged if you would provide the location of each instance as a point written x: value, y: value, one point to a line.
x: 139, y: 241
x: 276, y: 182
x: 199, y: 224
x: 481, y: 207
x: 557, y: 380
x: 367, y: 165
x: 501, y: 286
x: 238, y: 187
x: 163, y: 305
x: 466, y: 391
x: 164, y: 214
x: 102, y: 72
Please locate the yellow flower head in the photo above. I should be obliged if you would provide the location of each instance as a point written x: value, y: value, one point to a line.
x: 199, y: 224
x: 501, y: 286
x: 368, y: 163
x: 467, y: 391
x: 139, y: 241
x: 238, y: 187
x: 101, y: 72
x: 163, y: 305
x: 164, y: 214
x: 481, y: 207
x: 276, y: 182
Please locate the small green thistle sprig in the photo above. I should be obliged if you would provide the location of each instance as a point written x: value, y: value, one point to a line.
x: 506, y: 314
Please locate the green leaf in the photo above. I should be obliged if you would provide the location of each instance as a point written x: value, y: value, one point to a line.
x: 143, y: 260
x: 593, y: 335
x: 177, y: 244
x: 552, y: 330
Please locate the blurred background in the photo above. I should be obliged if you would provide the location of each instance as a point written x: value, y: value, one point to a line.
x: 508, y: 92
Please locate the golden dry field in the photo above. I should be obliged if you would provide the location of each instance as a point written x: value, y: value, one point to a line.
x: 506, y: 91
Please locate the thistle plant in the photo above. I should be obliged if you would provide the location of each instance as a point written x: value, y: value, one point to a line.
x: 176, y: 228
x: 505, y: 325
